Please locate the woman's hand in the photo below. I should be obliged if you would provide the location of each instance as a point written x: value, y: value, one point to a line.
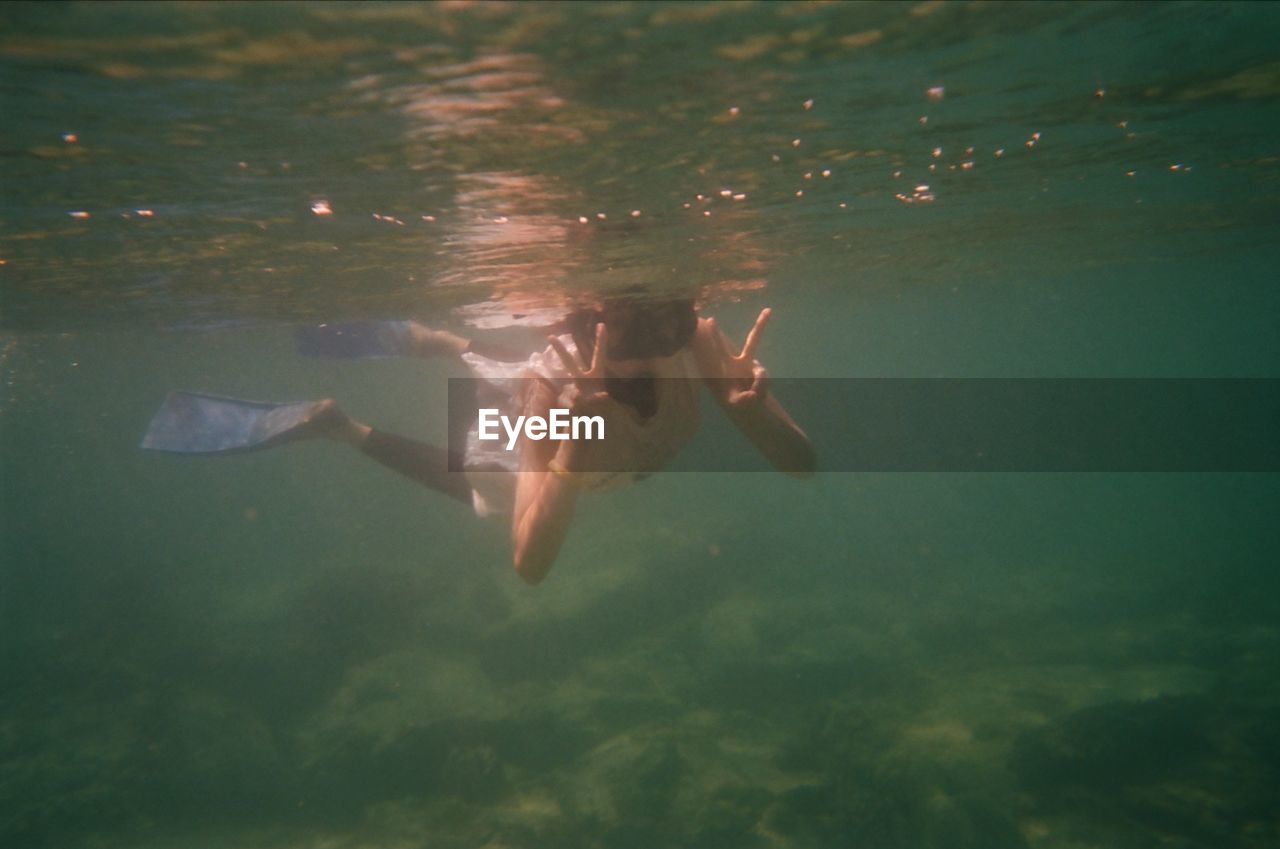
x: 747, y: 380
x: 741, y: 387
x: 591, y: 398
x: 589, y: 379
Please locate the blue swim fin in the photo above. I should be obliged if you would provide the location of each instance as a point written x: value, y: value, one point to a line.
x: 354, y: 340
x: 192, y: 423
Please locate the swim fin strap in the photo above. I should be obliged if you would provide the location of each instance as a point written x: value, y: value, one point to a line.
x: 193, y: 423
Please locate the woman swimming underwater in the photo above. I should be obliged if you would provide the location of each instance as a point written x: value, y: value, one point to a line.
x: 638, y: 366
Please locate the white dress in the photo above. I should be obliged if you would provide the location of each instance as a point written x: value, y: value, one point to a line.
x: 641, y: 447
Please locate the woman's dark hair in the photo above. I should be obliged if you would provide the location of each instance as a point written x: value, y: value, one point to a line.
x: 637, y: 328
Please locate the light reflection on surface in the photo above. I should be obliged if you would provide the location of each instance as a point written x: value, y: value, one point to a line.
x: 339, y: 161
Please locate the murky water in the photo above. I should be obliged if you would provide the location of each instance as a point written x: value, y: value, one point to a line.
x: 297, y: 648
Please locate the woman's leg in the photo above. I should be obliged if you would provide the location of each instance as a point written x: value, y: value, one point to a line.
x: 427, y: 464
x: 425, y: 342
x: 418, y: 461
x: 195, y: 423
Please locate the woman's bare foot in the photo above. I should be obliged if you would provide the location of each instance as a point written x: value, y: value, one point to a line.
x: 331, y: 422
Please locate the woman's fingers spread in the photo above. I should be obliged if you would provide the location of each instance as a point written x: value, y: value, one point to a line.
x: 570, y: 362
x: 720, y: 341
x: 597, y: 356
x: 753, y: 338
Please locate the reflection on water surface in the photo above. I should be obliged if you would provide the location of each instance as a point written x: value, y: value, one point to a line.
x: 169, y: 158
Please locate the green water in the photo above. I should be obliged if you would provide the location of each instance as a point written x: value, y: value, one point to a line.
x: 299, y: 649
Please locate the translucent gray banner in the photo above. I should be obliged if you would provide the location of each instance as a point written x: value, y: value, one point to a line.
x: 971, y: 425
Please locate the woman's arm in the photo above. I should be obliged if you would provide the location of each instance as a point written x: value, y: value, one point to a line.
x: 545, y: 500
x: 547, y: 491
x: 740, y: 386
